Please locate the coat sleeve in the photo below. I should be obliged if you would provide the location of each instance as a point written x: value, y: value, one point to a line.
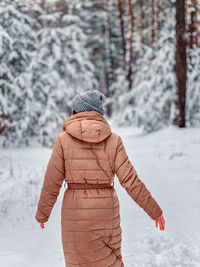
x: 53, y: 179
x: 129, y: 179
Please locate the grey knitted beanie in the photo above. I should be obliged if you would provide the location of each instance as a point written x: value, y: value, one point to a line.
x: 88, y: 101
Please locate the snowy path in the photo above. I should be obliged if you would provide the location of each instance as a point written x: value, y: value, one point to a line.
x: 167, y: 161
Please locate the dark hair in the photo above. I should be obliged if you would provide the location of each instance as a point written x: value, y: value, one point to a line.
x: 74, y: 112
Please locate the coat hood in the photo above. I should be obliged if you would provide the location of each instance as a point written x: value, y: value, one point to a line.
x: 89, y: 126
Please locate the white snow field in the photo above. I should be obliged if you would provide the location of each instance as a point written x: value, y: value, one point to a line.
x: 167, y: 161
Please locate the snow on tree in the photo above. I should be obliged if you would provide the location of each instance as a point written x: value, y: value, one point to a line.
x: 6, y: 77
x: 60, y: 71
x: 92, y: 20
x: 46, y: 67
x: 193, y: 89
x: 18, y: 55
x: 149, y: 104
x: 52, y: 50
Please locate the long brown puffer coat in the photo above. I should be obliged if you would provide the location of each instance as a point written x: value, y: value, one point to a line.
x: 88, y: 152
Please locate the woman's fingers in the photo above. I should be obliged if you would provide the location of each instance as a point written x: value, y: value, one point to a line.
x: 42, y: 225
x: 161, y: 225
x: 161, y: 222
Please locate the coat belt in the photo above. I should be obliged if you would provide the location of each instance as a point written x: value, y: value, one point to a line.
x: 89, y: 186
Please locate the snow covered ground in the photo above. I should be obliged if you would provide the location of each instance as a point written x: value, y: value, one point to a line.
x: 168, y: 162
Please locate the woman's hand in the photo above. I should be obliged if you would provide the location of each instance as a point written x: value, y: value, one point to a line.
x: 161, y: 222
x: 42, y: 225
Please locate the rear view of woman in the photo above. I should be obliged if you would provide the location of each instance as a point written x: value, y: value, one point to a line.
x: 87, y: 155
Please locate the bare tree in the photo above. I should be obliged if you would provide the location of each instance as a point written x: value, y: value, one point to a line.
x: 157, y: 20
x: 181, y: 63
x: 108, y: 60
x: 129, y: 50
x: 152, y: 23
x: 198, y: 21
x: 122, y: 30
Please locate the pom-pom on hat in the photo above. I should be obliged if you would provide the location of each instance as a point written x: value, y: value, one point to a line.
x: 88, y: 101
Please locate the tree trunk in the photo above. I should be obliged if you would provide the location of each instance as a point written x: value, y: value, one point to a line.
x: 181, y: 63
x: 122, y: 31
x: 108, y: 61
x: 4, y: 119
x: 141, y: 23
x: 157, y: 20
x: 129, y: 54
x: 198, y: 21
x: 152, y: 23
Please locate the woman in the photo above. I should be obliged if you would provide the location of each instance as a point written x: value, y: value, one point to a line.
x: 87, y: 155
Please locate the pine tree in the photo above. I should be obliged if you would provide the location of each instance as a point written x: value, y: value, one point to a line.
x: 92, y: 19
x: 149, y: 105
x: 19, y: 27
x: 6, y: 77
x: 60, y: 70
x: 193, y: 89
x: 120, y: 10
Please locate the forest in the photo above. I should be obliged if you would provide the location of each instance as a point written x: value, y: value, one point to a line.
x: 143, y: 55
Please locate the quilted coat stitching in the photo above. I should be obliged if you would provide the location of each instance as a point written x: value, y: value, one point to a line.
x: 90, y: 220
x: 97, y: 160
x: 93, y: 208
x: 81, y: 127
x: 75, y: 235
x: 111, y: 167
